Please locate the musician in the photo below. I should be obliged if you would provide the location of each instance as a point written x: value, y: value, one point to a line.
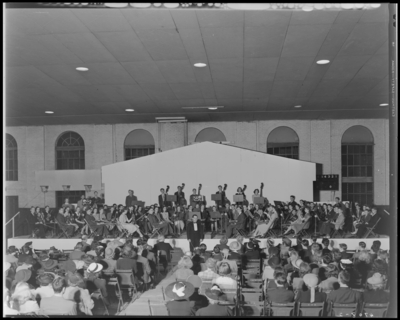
x: 96, y: 199
x: 250, y: 218
x: 300, y: 222
x: 162, y: 199
x: 178, y: 217
x: 131, y: 212
x: 215, y: 216
x: 204, y: 216
x: 239, y: 192
x: 103, y: 218
x: 82, y: 202
x: 41, y: 223
x: 364, y: 217
x: 129, y: 198
x: 157, y: 213
x: 195, y: 233
x: 127, y: 224
x: 221, y: 202
x: 67, y: 204
x: 189, y: 214
x: 61, y: 220
x: 340, y: 203
x: 348, y: 219
x: 357, y: 213
x: 292, y: 201
x: 165, y: 227
x: 368, y: 223
x: 70, y: 217
x: 240, y: 224
x: 80, y: 220
x: 165, y: 215
x: 326, y: 219
x: 272, y: 216
x: 97, y: 227
x: 194, y: 198
x: 48, y: 215
x: 180, y: 196
x: 197, y: 207
x: 261, y: 229
x: 337, y: 224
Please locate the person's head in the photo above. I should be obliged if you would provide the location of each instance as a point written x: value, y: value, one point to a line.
x: 382, y: 255
x: 162, y: 190
x: 223, y: 240
x: 306, y: 210
x: 315, y: 247
x: 185, y: 263
x: 194, y: 218
x: 344, y: 277
x: 179, y: 188
x: 194, y: 191
x: 164, y: 208
x: 337, y: 199
x: 224, y: 269
x: 239, y: 189
x: 130, y: 192
x: 280, y: 279
x: 326, y: 259
x: 364, y: 256
x: 66, y: 200
x: 79, y: 246
x: 362, y: 245
x: 292, y: 198
x: 342, y: 247
x: 95, y: 210
x: 325, y: 242
x: 89, y: 211
x: 239, y: 209
x: 95, y: 193
x: 190, y: 208
x: 377, y: 281
x: 297, y: 206
x: 330, y: 207
x: 220, y: 188
x: 244, y: 207
x: 256, y: 191
x: 331, y: 270
x: 37, y: 210
x: 376, y: 245
x: 210, y: 263
x: 203, y: 247
x: 217, y: 249
x: 304, y: 269
x: 286, y: 242
x: 32, y: 210
x: 293, y: 255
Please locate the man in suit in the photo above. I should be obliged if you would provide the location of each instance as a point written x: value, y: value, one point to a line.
x: 57, y: 305
x: 68, y: 229
x: 129, y: 198
x: 280, y: 294
x: 162, y: 199
x: 221, y: 202
x: 97, y: 227
x: 292, y: 201
x: 344, y: 294
x: 165, y: 227
x: 195, y: 233
x: 343, y: 249
x: 180, y: 197
x: 162, y: 246
x: 240, y: 224
x: 226, y: 215
x: 369, y: 223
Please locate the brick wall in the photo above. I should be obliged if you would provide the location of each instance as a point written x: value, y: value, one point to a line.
x: 320, y: 141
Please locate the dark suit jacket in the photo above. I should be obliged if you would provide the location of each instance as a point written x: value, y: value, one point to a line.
x: 165, y: 247
x: 376, y: 296
x: 153, y: 220
x: 347, y: 255
x: 280, y: 295
x: 190, y: 230
x: 129, y: 199
x: 180, y: 308
x: 344, y: 295
x: 162, y: 202
x: 180, y: 198
x: 61, y: 219
x: 241, y: 222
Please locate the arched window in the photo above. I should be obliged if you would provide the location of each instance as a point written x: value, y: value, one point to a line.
x: 283, y: 142
x: 210, y: 134
x: 138, y: 143
x: 11, y: 158
x: 357, y: 165
x: 70, y: 152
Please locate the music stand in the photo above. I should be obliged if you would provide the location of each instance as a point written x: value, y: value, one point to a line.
x: 279, y: 203
x: 216, y: 197
x: 171, y: 198
x: 138, y: 203
x: 259, y: 200
x: 238, y: 198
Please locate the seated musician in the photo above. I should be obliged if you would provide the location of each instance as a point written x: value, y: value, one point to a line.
x: 48, y: 215
x: 373, y: 218
x: 127, y: 224
x: 262, y: 227
x: 178, y: 218
x: 165, y: 214
x: 165, y: 227
x: 67, y: 204
x: 96, y: 226
x: 364, y: 218
x: 103, y: 218
x: 239, y: 192
x: 204, y: 216
x: 215, y: 217
x: 180, y: 196
x: 250, y: 218
x: 240, y: 224
x: 70, y: 216
x: 325, y: 219
x: 272, y: 216
x: 196, y: 207
x: 61, y: 220
x: 80, y: 220
x: 337, y: 224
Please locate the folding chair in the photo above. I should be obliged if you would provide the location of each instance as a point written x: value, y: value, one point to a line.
x: 338, y: 232
x: 158, y: 309
x: 348, y: 310
x: 62, y: 229
x: 251, y: 295
x: 274, y: 230
x: 310, y: 309
x: 154, y: 232
x: 281, y: 309
x: 127, y: 281
x: 251, y: 309
x: 370, y: 231
x: 375, y: 310
x: 253, y: 283
x: 251, y: 274
x: 97, y: 296
x: 92, y: 232
x: 113, y: 282
x: 231, y: 294
x: 304, y: 231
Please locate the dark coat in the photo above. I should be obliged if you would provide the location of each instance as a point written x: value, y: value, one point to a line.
x: 195, y: 236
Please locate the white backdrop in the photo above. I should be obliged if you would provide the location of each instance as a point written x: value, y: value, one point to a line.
x: 211, y: 165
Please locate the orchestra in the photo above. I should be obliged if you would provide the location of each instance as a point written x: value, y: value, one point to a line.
x: 171, y: 218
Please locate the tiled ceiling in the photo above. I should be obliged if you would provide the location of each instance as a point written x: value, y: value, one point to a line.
x: 260, y: 64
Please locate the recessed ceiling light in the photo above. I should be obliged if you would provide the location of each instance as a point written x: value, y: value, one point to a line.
x: 49, y: 112
x: 297, y: 106
x: 82, y: 69
x: 323, y: 61
x: 129, y: 110
x: 213, y: 108
x: 200, y: 65
x: 384, y: 104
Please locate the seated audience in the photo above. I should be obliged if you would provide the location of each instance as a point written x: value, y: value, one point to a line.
x: 375, y: 292
x: 184, y: 269
x: 308, y: 293
x: 95, y: 282
x: 46, y: 289
x: 210, y: 273
x: 215, y: 309
x: 57, y: 305
x: 75, y: 291
x: 200, y: 301
x: 179, y: 292
x: 23, y: 300
x: 280, y: 294
x: 344, y: 294
x: 225, y: 280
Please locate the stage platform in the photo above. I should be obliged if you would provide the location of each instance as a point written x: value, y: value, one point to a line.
x: 182, y: 242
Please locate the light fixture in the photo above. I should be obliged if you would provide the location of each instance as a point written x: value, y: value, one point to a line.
x: 200, y: 65
x: 384, y: 104
x: 66, y: 187
x: 49, y: 112
x: 44, y: 188
x: 82, y: 69
x: 88, y: 187
x: 323, y: 61
x: 308, y: 8
x: 170, y: 119
x: 129, y: 110
x: 297, y: 106
x: 211, y: 108
x: 375, y: 5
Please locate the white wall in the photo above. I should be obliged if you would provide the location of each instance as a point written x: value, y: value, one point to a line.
x: 211, y: 165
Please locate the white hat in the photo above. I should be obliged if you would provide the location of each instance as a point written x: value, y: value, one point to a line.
x: 7, y: 266
x: 376, y: 279
x: 94, y: 267
x: 161, y: 238
x: 23, y: 266
x: 346, y: 261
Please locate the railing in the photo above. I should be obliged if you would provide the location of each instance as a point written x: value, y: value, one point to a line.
x: 13, y: 224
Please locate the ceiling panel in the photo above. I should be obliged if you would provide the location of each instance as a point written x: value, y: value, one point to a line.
x: 97, y: 93
x: 86, y: 46
x: 365, y: 39
x: 107, y: 73
x: 318, y: 103
x: 318, y: 71
x: 376, y: 67
x: 158, y: 91
x: 348, y: 16
x: 223, y: 43
x: 227, y: 70
x: 329, y: 88
x: 373, y: 102
x: 257, y: 90
x: 185, y: 19
x: 64, y: 74
x: 384, y: 49
x: 192, y: 103
x: 313, y: 17
x: 144, y: 72
x: 294, y: 68
x: 345, y: 67
x: 130, y: 93
x: 285, y: 104
x: 267, y: 18
x: 187, y: 90
x: 207, y: 89
x: 220, y: 19
x: 149, y: 19
x: 335, y: 39
x: 179, y: 71
x: 228, y: 90
x: 285, y: 88
x: 102, y: 20
x: 358, y: 87
x: 255, y: 104
x: 202, y: 74
x: 124, y: 46
x: 379, y: 15
x: 382, y: 88
x: 260, y: 69
x: 263, y: 41
x: 230, y: 104
x: 166, y: 106
x: 304, y: 40
x: 193, y: 43
x: 307, y: 88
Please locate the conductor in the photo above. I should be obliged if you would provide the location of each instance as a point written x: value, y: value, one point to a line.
x: 195, y: 233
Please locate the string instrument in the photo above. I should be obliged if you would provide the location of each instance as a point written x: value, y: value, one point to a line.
x: 245, y: 202
x: 166, y: 190
x: 199, y: 197
x: 182, y: 201
x: 225, y: 198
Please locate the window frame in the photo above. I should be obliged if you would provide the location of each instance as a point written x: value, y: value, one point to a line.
x: 63, y: 163
x: 11, y: 149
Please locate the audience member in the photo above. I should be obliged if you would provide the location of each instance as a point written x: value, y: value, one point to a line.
x: 215, y: 308
x: 77, y: 293
x: 184, y: 269
x: 46, y: 289
x: 23, y: 300
x: 210, y: 273
x: 281, y: 294
x: 375, y: 292
x: 56, y: 304
x: 308, y: 292
x: 344, y: 294
x: 200, y: 301
x: 225, y: 280
x: 179, y: 292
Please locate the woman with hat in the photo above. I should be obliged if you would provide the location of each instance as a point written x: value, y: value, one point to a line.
x: 23, y: 300
x: 184, y: 269
x: 200, y: 301
x: 45, y: 290
x: 225, y: 279
x: 109, y: 264
x: 23, y: 275
x: 95, y: 282
x: 76, y: 283
x: 179, y: 292
x: 331, y: 275
x: 47, y: 264
x: 308, y: 292
x: 215, y: 308
x: 234, y: 247
x: 375, y: 292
